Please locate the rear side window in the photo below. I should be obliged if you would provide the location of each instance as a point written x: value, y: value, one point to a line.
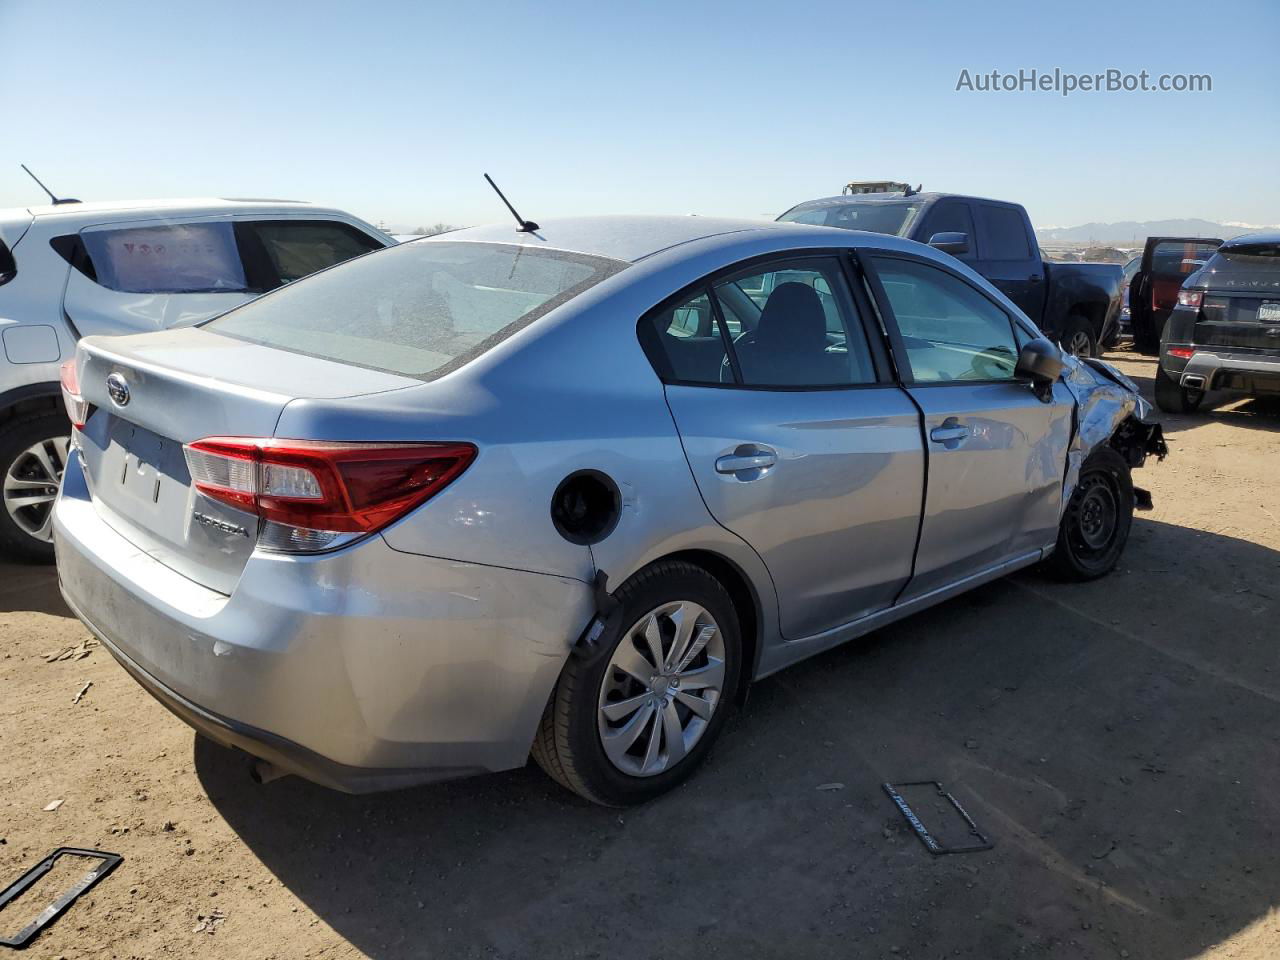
x: 418, y: 309
x: 787, y: 325
x: 1004, y: 234
x: 293, y: 249
x: 167, y: 258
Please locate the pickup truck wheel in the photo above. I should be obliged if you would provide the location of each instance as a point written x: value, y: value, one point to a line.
x: 1095, y: 525
x: 1078, y: 338
x: 636, y: 720
x: 33, y: 453
x: 1172, y: 397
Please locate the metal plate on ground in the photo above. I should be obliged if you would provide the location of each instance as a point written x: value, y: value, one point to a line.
x: 978, y: 840
x: 106, y: 863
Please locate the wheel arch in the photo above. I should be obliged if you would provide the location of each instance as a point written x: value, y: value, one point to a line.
x: 29, y: 398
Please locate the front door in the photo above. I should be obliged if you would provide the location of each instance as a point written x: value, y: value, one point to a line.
x: 996, y: 453
x: 798, y: 441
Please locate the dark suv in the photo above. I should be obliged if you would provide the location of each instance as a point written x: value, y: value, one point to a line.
x: 1224, y: 333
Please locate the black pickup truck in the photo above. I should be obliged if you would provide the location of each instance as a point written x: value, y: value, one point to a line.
x: 1077, y: 304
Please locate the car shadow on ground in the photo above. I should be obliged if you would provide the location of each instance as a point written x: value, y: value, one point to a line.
x: 1231, y: 409
x: 30, y: 588
x: 1116, y: 739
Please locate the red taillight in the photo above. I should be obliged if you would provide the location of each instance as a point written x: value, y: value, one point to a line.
x: 77, y: 406
x: 1190, y: 298
x: 320, y: 487
x: 1182, y: 353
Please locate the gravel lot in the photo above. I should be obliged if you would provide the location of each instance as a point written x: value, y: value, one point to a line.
x: 1118, y: 740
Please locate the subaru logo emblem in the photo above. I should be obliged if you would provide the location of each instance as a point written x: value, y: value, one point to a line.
x: 118, y: 389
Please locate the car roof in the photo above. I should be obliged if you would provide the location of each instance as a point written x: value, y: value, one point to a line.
x: 925, y: 197
x: 132, y: 209
x: 631, y: 238
x: 1262, y: 236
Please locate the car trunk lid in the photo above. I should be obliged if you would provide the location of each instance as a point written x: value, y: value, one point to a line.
x: 171, y: 389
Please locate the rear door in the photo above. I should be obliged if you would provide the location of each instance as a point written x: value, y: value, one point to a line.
x: 1153, y: 292
x: 1008, y: 258
x: 797, y: 438
x: 996, y: 453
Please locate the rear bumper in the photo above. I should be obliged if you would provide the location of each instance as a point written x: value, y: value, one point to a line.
x: 1216, y: 369
x: 363, y: 670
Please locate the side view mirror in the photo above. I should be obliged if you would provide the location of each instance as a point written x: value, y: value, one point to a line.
x: 952, y: 243
x: 1039, y: 362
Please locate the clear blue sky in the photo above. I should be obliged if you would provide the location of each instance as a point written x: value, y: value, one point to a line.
x: 393, y: 110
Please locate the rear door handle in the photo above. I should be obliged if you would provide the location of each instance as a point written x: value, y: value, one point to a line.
x: 747, y: 460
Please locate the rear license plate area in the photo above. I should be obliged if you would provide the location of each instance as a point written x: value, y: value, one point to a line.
x: 1269, y: 311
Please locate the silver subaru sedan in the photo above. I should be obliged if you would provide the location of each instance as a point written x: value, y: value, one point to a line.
x: 568, y: 491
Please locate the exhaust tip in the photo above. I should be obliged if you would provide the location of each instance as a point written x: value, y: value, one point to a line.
x: 264, y: 772
x: 1193, y: 381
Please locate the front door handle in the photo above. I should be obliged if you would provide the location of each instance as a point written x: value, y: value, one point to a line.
x: 747, y: 462
x: 1035, y: 278
x: 950, y: 433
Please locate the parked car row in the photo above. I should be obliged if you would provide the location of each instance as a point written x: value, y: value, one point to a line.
x: 566, y: 489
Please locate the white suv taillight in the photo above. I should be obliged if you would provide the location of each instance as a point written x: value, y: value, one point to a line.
x: 77, y: 406
x: 315, y: 495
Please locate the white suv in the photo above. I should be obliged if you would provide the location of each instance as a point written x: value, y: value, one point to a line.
x: 80, y: 269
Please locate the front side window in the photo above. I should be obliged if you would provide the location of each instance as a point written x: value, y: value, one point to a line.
x: 949, y: 329
x: 950, y: 216
x: 1004, y: 234
x: 293, y: 249
x: 419, y: 309
x: 789, y: 325
x: 197, y: 257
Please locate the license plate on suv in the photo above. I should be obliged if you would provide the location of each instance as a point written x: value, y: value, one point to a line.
x: 1269, y: 311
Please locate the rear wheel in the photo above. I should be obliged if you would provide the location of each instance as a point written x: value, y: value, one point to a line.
x: 33, y: 454
x: 1095, y: 525
x: 1172, y: 397
x: 637, y: 720
x: 1078, y: 338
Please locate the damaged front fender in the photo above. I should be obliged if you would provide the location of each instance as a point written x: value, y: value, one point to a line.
x: 1110, y: 411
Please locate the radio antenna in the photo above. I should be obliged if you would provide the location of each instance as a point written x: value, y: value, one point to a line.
x: 525, y: 226
x: 56, y: 200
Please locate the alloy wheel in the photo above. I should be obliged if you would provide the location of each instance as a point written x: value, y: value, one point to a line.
x: 1079, y: 344
x: 31, y: 486
x: 661, y: 687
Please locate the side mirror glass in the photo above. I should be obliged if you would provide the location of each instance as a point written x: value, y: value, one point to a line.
x: 952, y: 243
x: 1039, y: 362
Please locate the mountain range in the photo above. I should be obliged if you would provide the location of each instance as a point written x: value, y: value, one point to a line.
x: 1131, y: 233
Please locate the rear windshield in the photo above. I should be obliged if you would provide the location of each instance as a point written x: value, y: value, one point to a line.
x: 877, y: 217
x: 1247, y: 257
x: 419, y: 309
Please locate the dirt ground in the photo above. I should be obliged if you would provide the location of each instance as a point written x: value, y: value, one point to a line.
x: 1119, y: 741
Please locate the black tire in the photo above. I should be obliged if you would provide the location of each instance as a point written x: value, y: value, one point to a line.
x: 568, y: 745
x: 1172, y: 397
x: 1078, y: 337
x: 1095, y: 526
x: 16, y: 436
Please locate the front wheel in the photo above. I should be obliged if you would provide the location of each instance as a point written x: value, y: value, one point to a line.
x: 1078, y: 338
x: 637, y: 720
x: 1095, y: 525
x: 33, y: 453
